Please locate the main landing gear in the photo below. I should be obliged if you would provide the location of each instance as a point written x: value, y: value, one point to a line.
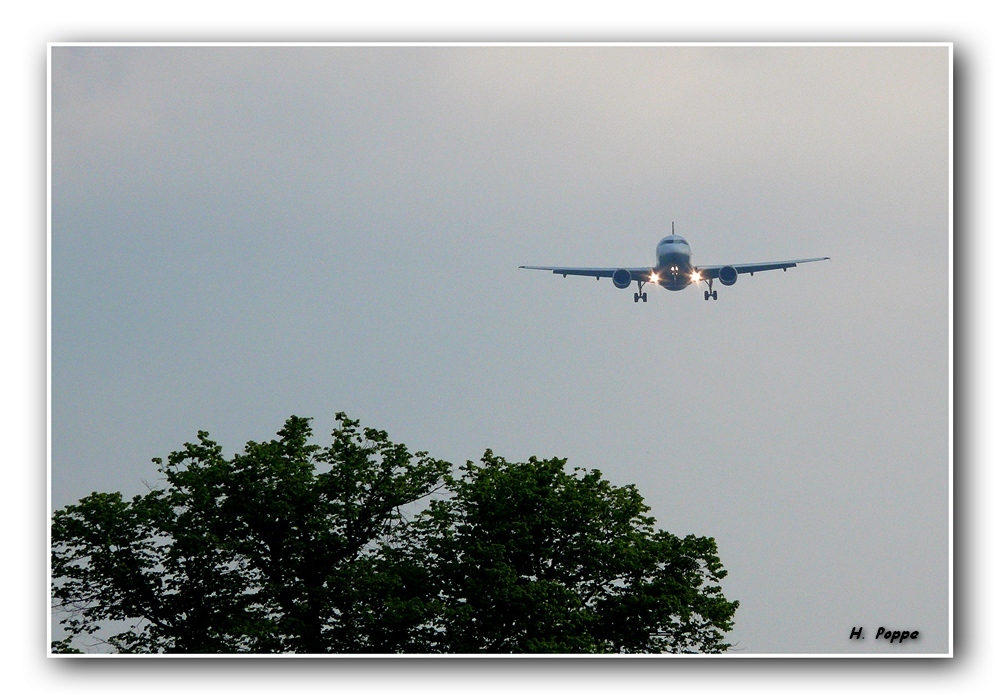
x: 710, y: 294
x: 640, y: 294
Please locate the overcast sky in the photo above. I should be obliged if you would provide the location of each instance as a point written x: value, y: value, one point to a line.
x: 242, y: 234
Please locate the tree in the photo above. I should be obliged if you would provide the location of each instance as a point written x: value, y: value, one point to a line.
x: 531, y: 558
x: 270, y: 551
x: 294, y: 548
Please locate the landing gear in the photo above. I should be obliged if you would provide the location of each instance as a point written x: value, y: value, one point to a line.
x: 640, y: 294
x: 710, y: 294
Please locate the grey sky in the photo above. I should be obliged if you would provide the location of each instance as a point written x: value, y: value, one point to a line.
x: 239, y: 234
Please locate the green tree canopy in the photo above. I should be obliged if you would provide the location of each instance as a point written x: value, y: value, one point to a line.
x: 294, y: 548
x: 531, y: 558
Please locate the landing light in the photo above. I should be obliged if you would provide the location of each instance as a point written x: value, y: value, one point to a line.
x: 696, y: 277
x: 654, y: 278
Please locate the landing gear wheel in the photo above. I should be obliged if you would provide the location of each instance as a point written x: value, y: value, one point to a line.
x: 706, y: 296
x: 715, y: 295
x: 640, y: 294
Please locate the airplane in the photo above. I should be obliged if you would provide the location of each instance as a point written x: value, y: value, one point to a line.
x: 673, y: 269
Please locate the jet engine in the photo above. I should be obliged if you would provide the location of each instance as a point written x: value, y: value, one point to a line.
x: 622, y: 278
x: 727, y: 275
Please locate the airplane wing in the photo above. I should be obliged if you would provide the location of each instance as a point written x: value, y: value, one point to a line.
x: 637, y: 273
x: 712, y: 271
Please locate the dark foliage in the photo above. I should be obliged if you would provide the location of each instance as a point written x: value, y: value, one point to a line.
x: 531, y: 558
x: 294, y: 548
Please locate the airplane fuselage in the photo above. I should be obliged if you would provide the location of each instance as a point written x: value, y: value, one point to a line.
x: 673, y: 263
